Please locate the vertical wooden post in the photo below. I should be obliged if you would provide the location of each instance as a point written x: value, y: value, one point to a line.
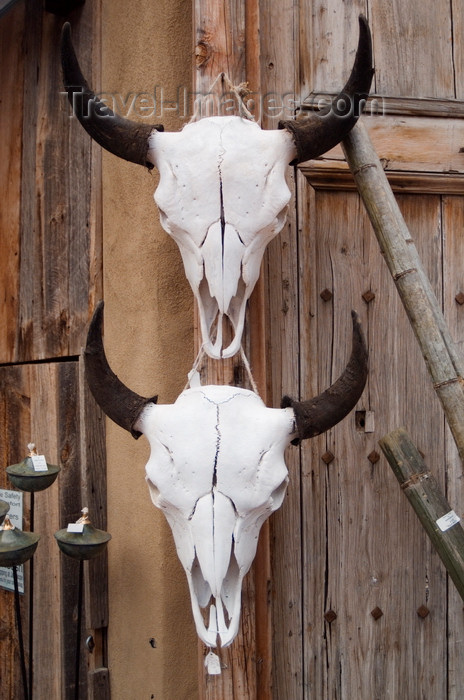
x: 221, y: 47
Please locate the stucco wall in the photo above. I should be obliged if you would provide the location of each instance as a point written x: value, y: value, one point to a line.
x: 149, y: 341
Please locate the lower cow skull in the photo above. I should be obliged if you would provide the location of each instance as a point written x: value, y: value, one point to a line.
x: 216, y: 490
x: 217, y: 468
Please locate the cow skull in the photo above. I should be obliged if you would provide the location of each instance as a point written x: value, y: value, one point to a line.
x: 222, y: 193
x: 217, y: 469
x: 222, y: 208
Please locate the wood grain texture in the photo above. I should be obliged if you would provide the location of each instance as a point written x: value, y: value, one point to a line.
x: 14, y: 421
x: 54, y: 258
x: 419, y: 144
x: 220, y: 47
x: 414, y: 288
x: 458, y: 55
x: 328, y: 41
x: 356, y: 557
x: 220, y: 34
x: 13, y: 65
x: 414, y: 48
x: 453, y: 281
x: 39, y: 403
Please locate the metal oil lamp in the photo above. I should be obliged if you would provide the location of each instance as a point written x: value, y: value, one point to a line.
x: 16, y: 546
x: 4, y: 508
x: 81, y: 541
x: 27, y: 477
x: 85, y: 542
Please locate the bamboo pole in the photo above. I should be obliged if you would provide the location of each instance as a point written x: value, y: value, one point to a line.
x: 397, y: 247
x: 431, y: 507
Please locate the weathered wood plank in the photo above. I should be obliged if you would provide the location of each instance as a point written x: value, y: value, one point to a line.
x: 14, y: 436
x: 279, y: 47
x: 458, y: 49
x: 384, y: 106
x: 453, y: 254
x: 28, y: 248
x: 93, y: 496
x: 422, y: 145
x: 220, y: 42
x: 329, y: 36
x: 336, y: 175
x: 12, y: 61
x: 70, y: 507
x: 47, y: 616
x: 60, y: 251
x: 220, y: 47
x: 405, y: 65
x: 351, y: 568
x: 99, y: 684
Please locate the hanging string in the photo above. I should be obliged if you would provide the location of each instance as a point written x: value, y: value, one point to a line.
x: 246, y: 364
x: 238, y: 91
x: 194, y: 370
x: 199, y: 359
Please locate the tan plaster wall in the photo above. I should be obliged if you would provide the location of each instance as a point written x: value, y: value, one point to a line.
x: 149, y: 342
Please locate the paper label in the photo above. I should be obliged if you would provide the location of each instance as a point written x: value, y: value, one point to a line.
x: 213, y: 664
x: 448, y: 520
x: 15, y: 499
x: 75, y: 527
x: 39, y: 463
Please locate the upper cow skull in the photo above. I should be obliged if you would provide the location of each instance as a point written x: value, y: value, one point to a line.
x: 222, y: 194
x: 217, y: 469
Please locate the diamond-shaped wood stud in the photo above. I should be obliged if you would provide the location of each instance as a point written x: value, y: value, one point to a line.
x: 460, y: 298
x: 330, y: 616
x: 376, y: 613
x: 423, y: 611
x: 326, y: 295
x: 368, y: 296
x: 373, y: 457
x: 328, y: 457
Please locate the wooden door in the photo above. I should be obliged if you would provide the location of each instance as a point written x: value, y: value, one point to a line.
x: 361, y: 603
x: 50, y: 275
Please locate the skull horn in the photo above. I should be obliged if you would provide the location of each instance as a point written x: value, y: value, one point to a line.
x: 122, y: 137
x: 119, y: 403
x: 322, y: 131
x: 326, y: 410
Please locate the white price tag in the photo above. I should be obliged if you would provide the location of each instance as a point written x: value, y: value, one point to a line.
x: 213, y: 664
x: 448, y: 520
x: 39, y: 463
x: 75, y: 527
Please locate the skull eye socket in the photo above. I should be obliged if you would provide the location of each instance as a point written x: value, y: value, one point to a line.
x: 163, y: 218
x: 154, y: 491
x: 277, y: 496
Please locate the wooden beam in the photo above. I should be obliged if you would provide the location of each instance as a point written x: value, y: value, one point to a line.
x: 226, y: 42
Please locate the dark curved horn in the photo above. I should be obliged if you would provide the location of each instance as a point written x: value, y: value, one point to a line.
x: 322, y: 131
x: 326, y: 410
x: 123, y: 137
x: 119, y: 403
